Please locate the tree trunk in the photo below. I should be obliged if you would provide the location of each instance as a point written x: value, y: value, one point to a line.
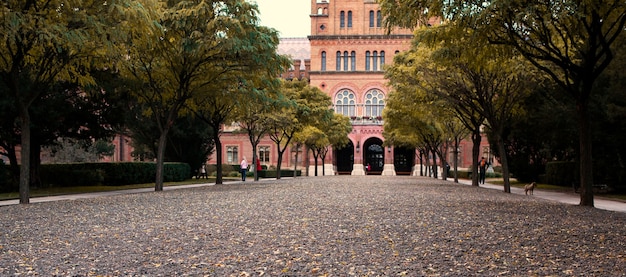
x: 503, y: 162
x: 586, y: 163
x: 255, y: 162
x: 434, y: 152
x: 295, y: 164
x: 218, y: 155
x: 158, y: 184
x: 279, y: 162
x: 456, y: 160
x: 323, y: 153
x: 427, y: 162
x: 444, y: 160
x: 25, y: 156
x: 476, y: 138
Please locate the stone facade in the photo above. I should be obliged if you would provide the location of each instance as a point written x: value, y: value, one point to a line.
x: 345, y: 57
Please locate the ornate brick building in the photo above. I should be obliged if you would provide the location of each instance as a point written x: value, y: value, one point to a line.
x: 349, y: 48
x: 344, y: 56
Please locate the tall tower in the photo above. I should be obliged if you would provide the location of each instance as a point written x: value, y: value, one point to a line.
x: 349, y: 50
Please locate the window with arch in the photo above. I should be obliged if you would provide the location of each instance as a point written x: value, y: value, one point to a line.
x: 367, y: 60
x: 349, y: 19
x: 374, y: 103
x: 342, y: 19
x: 379, y: 18
x: 323, y: 60
x: 264, y: 154
x: 371, y: 19
x: 232, y: 154
x: 375, y: 61
x: 338, y: 62
x: 353, y: 61
x: 382, y: 59
x: 345, y: 60
x: 345, y: 103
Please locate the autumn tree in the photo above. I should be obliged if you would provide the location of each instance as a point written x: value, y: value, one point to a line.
x: 418, y: 79
x: 303, y: 105
x: 573, y: 42
x: 337, y: 130
x: 196, y: 51
x: 251, y: 118
x: 324, y: 133
x: 51, y: 41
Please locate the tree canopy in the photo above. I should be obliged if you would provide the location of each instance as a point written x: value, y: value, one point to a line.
x: 50, y: 41
x: 198, y: 54
x: 573, y: 42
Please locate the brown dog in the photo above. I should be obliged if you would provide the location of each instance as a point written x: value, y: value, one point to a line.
x: 530, y: 188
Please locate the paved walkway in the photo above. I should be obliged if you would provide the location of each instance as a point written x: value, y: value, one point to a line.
x: 563, y: 197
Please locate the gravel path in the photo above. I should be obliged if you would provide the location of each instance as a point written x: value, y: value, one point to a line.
x: 323, y: 226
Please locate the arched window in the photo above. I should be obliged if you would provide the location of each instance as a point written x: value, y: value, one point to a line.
x: 342, y: 19
x: 374, y: 103
x: 345, y: 61
x: 367, y: 61
x: 375, y: 61
x: 338, y: 66
x: 371, y: 19
x: 382, y: 59
x: 353, y: 61
x: 323, y: 60
x: 345, y: 103
x: 232, y: 154
x: 349, y: 19
x: 379, y: 19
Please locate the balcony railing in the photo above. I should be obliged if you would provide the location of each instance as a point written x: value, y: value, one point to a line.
x: 366, y: 120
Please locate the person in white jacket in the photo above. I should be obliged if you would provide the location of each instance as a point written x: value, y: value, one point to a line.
x: 244, y: 168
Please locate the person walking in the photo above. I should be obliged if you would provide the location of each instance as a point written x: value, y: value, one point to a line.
x: 203, y: 173
x: 244, y: 168
x: 482, y: 166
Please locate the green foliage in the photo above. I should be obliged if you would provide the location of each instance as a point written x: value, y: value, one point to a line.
x: 110, y: 174
x: 562, y: 173
x: 6, y: 180
x: 68, y: 175
x: 273, y: 173
x: 138, y: 172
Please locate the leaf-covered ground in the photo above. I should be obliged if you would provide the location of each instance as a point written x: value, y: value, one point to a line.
x: 315, y: 226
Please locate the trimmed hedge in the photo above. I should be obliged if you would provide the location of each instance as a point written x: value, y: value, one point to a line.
x: 111, y: 174
x: 561, y: 173
x: 283, y: 173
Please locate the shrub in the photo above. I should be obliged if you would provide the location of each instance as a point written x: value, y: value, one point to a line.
x: 561, y: 173
x: 112, y: 174
x: 283, y: 173
x: 462, y: 174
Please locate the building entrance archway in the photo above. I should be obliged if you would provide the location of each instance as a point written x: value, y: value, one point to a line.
x: 344, y: 159
x: 403, y: 160
x: 374, y: 155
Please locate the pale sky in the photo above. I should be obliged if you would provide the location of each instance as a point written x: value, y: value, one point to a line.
x: 289, y: 17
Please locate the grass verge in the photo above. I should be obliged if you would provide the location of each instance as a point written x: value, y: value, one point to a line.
x: 54, y: 191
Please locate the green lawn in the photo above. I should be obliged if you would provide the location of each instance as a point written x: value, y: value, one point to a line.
x: 39, y: 192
